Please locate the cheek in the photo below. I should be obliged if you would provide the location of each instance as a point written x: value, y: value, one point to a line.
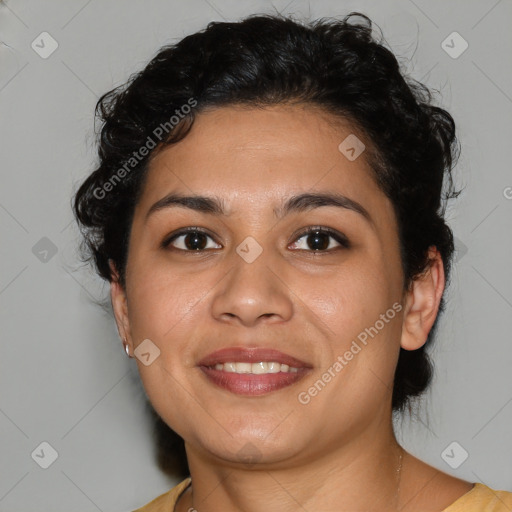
x: 353, y: 309
x: 351, y: 296
x: 163, y: 308
x: 160, y: 299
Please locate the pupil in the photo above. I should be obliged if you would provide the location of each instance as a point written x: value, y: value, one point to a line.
x: 195, y: 237
x: 318, y: 235
x: 192, y: 240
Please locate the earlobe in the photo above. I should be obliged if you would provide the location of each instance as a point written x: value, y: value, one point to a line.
x: 119, y: 305
x: 422, y: 303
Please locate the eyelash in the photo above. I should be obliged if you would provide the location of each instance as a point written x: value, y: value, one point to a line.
x: 340, y: 238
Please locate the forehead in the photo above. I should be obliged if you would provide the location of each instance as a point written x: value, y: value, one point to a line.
x: 255, y: 155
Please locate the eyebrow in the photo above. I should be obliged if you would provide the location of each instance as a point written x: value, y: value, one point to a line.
x: 303, y: 202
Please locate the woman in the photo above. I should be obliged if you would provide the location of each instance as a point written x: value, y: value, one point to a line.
x: 268, y: 210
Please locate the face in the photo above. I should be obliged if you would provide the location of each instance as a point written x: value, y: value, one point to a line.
x: 252, y: 277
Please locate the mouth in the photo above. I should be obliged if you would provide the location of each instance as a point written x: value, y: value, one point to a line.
x: 252, y: 371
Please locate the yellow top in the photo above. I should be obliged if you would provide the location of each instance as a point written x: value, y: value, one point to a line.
x: 479, y: 499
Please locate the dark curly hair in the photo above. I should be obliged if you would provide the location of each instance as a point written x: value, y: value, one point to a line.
x: 337, y: 65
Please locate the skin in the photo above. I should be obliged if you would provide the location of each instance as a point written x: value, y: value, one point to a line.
x: 340, y: 447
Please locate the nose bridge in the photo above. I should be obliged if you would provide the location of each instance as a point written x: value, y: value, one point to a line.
x: 252, y: 290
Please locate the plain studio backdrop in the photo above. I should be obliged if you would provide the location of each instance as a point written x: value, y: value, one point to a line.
x: 65, y: 380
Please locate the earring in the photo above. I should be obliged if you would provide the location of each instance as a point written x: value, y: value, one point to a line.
x: 126, y: 348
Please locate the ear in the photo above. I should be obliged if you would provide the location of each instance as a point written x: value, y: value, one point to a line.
x: 119, y: 305
x: 422, y: 303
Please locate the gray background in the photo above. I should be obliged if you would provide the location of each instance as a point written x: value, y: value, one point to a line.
x: 64, y: 376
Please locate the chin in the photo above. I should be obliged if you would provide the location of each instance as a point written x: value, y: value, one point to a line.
x: 253, y: 452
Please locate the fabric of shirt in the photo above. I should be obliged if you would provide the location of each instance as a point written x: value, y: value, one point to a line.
x: 479, y: 499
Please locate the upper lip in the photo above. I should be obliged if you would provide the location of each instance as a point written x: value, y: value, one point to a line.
x: 251, y: 355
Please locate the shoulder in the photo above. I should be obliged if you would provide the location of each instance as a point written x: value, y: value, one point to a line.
x: 426, y: 488
x: 482, y: 498
x: 166, y: 502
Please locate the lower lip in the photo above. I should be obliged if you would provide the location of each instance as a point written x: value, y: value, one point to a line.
x: 252, y: 384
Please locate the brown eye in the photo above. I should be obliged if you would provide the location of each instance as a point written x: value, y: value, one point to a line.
x: 317, y: 239
x: 189, y: 240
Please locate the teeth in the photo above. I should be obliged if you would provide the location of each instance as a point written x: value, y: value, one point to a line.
x: 255, y: 368
x: 228, y: 367
x: 274, y: 367
x: 243, y: 367
x: 259, y: 368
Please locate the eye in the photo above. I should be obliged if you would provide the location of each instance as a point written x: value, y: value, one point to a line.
x: 318, y: 238
x: 194, y: 239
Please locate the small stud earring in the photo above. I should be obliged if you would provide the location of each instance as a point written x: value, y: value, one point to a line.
x: 126, y: 348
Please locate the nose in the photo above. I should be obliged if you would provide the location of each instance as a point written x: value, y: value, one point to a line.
x: 253, y: 292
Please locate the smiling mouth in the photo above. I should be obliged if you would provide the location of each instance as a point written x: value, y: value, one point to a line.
x: 260, y: 368
x: 252, y: 371
x: 253, y: 379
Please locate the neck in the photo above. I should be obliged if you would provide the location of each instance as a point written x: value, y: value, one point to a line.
x: 361, y: 475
